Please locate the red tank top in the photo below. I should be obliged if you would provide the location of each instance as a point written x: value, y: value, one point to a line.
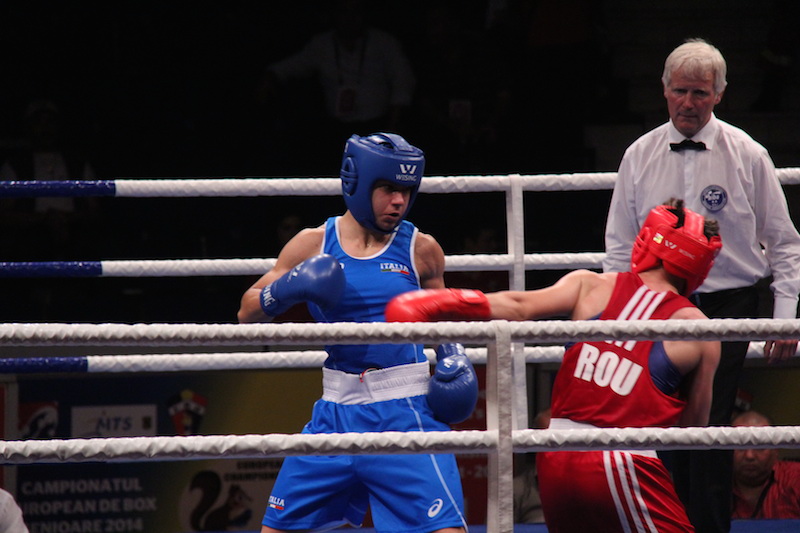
x: 608, y: 383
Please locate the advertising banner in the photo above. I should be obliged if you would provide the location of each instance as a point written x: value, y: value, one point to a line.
x: 157, y: 496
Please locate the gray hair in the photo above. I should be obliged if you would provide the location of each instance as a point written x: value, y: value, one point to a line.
x: 695, y: 58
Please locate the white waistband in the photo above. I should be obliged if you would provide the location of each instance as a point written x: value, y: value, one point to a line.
x: 376, y: 385
x: 566, y: 423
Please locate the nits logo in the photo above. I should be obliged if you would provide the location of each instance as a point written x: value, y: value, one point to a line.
x: 113, y: 423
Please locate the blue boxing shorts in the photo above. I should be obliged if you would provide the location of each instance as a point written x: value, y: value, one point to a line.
x: 406, y: 492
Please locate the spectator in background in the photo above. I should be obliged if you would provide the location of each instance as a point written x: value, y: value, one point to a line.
x: 455, y: 95
x: 481, y: 240
x: 778, y: 58
x: 534, y: 41
x: 47, y: 229
x: 763, y: 485
x: 43, y: 228
x: 288, y: 227
x: 365, y: 78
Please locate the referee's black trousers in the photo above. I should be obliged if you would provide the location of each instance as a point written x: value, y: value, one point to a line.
x: 704, y: 478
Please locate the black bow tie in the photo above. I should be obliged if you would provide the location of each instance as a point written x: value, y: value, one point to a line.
x: 687, y: 144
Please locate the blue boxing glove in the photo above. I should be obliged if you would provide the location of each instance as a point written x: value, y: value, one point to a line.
x: 453, y: 388
x: 319, y: 279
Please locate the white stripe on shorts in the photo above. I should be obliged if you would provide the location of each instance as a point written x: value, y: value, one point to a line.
x: 619, y: 465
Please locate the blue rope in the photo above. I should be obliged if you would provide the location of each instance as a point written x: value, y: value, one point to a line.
x: 51, y: 269
x: 20, y: 189
x: 40, y: 365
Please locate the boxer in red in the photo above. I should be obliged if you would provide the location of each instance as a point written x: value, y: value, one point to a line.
x: 610, y: 384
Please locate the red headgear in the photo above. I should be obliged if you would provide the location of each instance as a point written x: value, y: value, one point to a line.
x: 685, y: 252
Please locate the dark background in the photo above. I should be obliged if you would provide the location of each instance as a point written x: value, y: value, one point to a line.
x: 167, y: 89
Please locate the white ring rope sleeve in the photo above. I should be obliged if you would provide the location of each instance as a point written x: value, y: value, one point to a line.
x: 330, y: 186
x: 130, y: 449
x: 550, y: 331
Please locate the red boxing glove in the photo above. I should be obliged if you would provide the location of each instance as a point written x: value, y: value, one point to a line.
x: 435, y: 305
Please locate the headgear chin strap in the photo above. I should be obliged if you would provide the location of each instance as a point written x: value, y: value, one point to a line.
x: 380, y: 156
x: 685, y: 252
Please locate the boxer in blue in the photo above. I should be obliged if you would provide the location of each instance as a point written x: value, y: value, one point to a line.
x: 347, y: 270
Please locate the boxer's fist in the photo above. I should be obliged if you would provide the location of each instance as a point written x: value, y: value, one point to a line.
x: 453, y: 388
x: 435, y: 305
x: 319, y: 279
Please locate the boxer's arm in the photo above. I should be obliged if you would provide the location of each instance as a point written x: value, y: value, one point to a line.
x: 429, y: 262
x: 697, y: 362
x: 700, y: 384
x: 305, y: 245
x: 580, y: 294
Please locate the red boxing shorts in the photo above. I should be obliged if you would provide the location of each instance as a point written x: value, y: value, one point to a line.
x: 608, y: 492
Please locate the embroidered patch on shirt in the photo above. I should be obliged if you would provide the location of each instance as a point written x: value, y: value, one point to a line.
x: 276, y: 503
x: 395, y: 267
x: 714, y: 198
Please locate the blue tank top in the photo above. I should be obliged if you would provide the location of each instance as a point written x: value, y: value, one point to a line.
x: 370, y: 283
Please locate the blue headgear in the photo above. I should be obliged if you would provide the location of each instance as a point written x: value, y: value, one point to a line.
x: 380, y: 156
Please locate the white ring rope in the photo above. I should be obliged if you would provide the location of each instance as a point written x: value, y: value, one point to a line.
x: 550, y: 331
x: 305, y: 359
x: 235, y: 360
x: 205, y: 361
x: 244, y: 267
x: 657, y: 438
x: 242, y: 446
x: 137, y: 449
x: 186, y: 267
x: 332, y: 186
x: 187, y: 362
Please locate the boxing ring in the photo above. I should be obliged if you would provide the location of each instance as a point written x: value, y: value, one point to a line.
x: 504, y: 347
